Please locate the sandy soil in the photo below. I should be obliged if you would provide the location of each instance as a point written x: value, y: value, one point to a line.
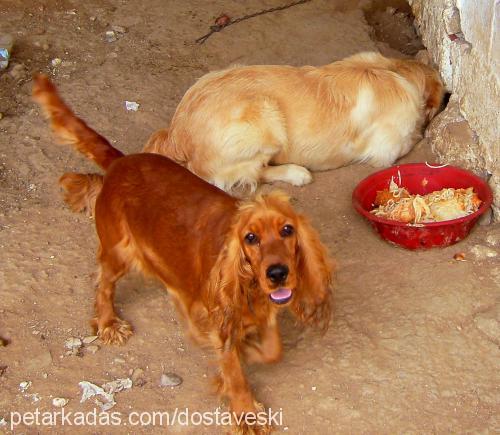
x: 414, y: 345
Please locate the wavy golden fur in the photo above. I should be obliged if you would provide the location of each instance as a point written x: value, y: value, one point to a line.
x: 246, y: 125
x: 230, y: 266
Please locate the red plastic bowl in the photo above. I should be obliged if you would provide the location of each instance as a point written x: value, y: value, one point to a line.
x: 420, y: 178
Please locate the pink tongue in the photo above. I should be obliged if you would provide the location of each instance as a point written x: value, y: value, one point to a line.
x: 281, y: 294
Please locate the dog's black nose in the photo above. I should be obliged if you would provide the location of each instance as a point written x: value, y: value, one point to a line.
x: 277, y: 273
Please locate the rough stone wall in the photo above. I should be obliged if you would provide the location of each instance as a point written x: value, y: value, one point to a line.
x: 463, y: 39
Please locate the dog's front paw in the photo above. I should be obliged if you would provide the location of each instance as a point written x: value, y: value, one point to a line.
x: 298, y: 175
x: 115, y: 331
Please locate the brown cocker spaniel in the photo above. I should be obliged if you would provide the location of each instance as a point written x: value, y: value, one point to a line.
x: 230, y: 265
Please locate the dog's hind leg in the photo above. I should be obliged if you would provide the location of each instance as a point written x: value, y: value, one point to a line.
x: 110, y: 328
x: 289, y: 173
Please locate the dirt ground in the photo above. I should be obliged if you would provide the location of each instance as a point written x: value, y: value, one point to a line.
x: 414, y: 344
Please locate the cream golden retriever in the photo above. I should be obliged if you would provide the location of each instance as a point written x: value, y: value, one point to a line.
x: 244, y: 125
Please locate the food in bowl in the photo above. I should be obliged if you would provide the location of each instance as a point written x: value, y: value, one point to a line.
x: 421, y: 179
x: 396, y: 203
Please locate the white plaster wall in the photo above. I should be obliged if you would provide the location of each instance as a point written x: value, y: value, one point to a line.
x: 462, y: 37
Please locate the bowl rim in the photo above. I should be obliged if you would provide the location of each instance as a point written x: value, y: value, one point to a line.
x: 371, y: 217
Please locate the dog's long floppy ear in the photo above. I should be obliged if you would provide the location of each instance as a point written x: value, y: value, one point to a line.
x: 229, y: 280
x: 312, y: 304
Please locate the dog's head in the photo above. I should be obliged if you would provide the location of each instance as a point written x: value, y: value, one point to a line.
x: 277, y: 249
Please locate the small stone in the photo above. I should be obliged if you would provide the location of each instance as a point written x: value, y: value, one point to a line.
x: 35, y: 332
x: 89, y: 339
x: 35, y: 397
x: 92, y: 349
x: 313, y: 388
x: 18, y: 71
x: 483, y: 252
x: 132, y: 105
x: 459, y: 256
x: 137, y: 376
x: 119, y: 29
x: 92, y: 18
x: 110, y: 36
x: 59, y: 402
x: 45, y: 375
x: 119, y: 361
x: 56, y: 62
x: 72, y: 343
x: 170, y: 380
x: 493, y: 237
x: 23, y: 386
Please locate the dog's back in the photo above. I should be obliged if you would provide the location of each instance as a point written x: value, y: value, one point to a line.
x: 233, y: 125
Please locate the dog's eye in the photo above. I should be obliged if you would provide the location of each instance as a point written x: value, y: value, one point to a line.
x: 251, y: 239
x: 287, y: 230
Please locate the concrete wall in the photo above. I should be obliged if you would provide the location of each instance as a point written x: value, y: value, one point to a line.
x: 463, y: 39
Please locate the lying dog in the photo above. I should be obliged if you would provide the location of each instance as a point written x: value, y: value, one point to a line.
x: 230, y: 266
x: 243, y: 125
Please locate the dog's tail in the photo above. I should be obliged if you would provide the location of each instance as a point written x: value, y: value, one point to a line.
x: 157, y: 142
x: 81, y: 191
x: 68, y: 128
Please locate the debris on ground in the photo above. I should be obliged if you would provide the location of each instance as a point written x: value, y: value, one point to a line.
x: 119, y: 29
x: 106, y: 392
x: 18, y: 71
x: 117, y: 385
x: 170, y: 380
x: 89, y: 339
x: 72, y: 343
x: 59, y: 402
x: 493, y: 237
x: 137, y: 376
x: 481, y: 252
x: 459, y: 256
x: 110, y: 36
x: 6, y: 44
x: 33, y: 397
x: 132, y: 105
x: 23, y: 386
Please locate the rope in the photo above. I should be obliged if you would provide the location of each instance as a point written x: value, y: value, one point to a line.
x: 218, y: 27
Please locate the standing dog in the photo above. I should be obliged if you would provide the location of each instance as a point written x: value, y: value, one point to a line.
x: 230, y: 266
x: 249, y: 124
